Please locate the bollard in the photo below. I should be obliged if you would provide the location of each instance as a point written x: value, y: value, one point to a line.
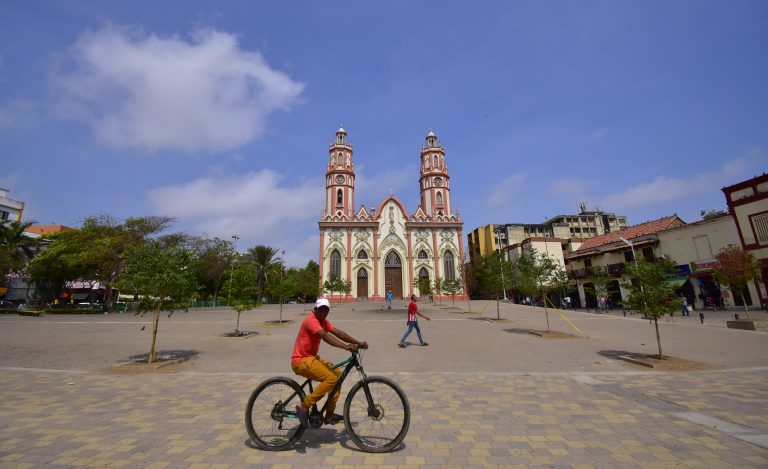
x: 625, y: 313
x: 701, y: 316
x: 736, y: 316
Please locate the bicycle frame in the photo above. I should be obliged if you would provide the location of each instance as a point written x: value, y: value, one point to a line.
x: 351, y: 362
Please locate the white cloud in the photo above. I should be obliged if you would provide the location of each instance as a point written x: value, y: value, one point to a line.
x: 18, y: 112
x: 571, y: 188
x: 663, y: 189
x: 601, y: 132
x: 254, y: 206
x: 507, y: 190
x: 153, y: 93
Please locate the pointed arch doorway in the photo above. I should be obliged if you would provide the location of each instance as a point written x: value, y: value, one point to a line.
x: 362, y: 284
x: 393, y: 274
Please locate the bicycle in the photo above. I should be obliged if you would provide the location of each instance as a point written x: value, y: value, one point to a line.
x: 376, y: 412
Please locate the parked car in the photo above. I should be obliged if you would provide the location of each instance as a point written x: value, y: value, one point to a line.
x: 7, y: 304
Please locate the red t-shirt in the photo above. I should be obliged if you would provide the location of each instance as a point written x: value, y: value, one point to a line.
x: 412, y: 308
x: 307, y: 341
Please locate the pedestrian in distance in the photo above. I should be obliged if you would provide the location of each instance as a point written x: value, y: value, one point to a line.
x: 684, y: 306
x: 389, y: 299
x: 413, y: 323
x: 567, y: 302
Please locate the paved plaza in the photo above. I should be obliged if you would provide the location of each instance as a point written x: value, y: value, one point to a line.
x: 485, y: 393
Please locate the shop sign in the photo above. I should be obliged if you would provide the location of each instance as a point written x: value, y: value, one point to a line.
x: 682, y: 270
x: 705, y: 265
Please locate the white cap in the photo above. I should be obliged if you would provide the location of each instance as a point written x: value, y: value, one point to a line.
x: 322, y: 302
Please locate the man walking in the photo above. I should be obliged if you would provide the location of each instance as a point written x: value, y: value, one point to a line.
x: 413, y: 323
x: 389, y: 299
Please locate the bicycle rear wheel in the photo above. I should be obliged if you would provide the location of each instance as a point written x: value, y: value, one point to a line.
x: 381, y: 426
x: 270, y: 415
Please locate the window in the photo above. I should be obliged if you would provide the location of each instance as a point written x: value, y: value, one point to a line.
x: 362, y: 273
x: 426, y: 161
x: 761, y: 228
x: 339, y: 197
x: 587, y: 263
x: 339, y: 138
x: 340, y: 160
x: 439, y: 199
x: 450, y: 270
x: 629, y: 256
x: 648, y: 254
x: 392, y: 260
x: 423, y: 254
x: 362, y: 255
x: 335, y: 265
x: 435, y: 161
x: 703, y: 247
x: 423, y: 274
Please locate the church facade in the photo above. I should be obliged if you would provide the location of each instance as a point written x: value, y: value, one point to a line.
x: 387, y: 249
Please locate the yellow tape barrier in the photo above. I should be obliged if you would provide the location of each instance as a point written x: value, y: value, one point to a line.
x: 565, y: 318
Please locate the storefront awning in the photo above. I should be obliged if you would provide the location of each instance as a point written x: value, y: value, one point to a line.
x: 676, y: 282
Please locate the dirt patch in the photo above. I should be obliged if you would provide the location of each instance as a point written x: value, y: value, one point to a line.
x: 554, y: 335
x: 665, y: 363
x: 278, y: 322
x: 239, y: 334
x: 169, y: 361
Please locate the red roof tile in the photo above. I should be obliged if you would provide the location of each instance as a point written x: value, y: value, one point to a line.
x: 631, y: 232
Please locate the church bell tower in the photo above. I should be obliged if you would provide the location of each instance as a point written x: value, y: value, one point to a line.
x: 340, y: 179
x: 434, y: 182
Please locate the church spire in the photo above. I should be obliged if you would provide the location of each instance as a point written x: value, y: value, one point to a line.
x: 434, y: 182
x: 340, y: 178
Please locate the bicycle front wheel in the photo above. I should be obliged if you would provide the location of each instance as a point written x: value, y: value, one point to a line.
x: 377, y: 414
x: 270, y: 415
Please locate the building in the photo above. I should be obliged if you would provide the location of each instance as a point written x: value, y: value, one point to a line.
x: 387, y: 249
x: 748, y: 205
x: 611, y: 251
x: 693, y: 248
x: 10, y: 209
x: 586, y: 224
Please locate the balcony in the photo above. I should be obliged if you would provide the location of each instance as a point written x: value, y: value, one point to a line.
x: 577, y: 274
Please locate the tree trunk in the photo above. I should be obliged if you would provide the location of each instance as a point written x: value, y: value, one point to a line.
x: 498, y: 314
x: 237, y: 326
x: 155, y: 324
x: 108, y: 306
x: 744, y: 302
x: 658, y: 337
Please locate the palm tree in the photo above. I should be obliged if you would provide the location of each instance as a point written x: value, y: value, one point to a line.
x: 16, y: 248
x: 262, y: 257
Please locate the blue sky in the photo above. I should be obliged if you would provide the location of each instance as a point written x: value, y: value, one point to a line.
x: 220, y: 113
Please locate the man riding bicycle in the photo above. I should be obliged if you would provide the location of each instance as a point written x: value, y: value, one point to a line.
x: 307, y: 363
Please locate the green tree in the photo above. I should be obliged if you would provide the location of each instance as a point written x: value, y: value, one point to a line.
x: 264, y: 258
x: 540, y: 274
x: 425, y: 287
x: 334, y: 285
x: 437, y: 287
x: 558, y: 281
x: 493, y: 273
x: 736, y: 268
x: 242, y: 290
x: 649, y: 291
x: 163, y: 277
x: 452, y: 287
x: 308, y: 281
x: 16, y: 248
x: 95, y: 251
x: 280, y: 285
x: 600, y: 279
x: 215, y: 263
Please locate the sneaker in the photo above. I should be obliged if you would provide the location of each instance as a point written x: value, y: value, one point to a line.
x: 334, y: 419
x: 303, y: 416
x: 424, y: 344
x: 401, y: 345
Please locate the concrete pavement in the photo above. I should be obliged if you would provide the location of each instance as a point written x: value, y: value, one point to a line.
x: 485, y: 393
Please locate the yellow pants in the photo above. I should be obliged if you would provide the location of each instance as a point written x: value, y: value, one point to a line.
x: 317, y: 369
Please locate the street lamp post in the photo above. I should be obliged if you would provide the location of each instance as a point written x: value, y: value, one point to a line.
x: 501, y: 264
x: 280, y: 285
x: 232, y: 270
x: 634, y: 258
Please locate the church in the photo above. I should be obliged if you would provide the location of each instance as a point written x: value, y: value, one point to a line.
x: 387, y: 249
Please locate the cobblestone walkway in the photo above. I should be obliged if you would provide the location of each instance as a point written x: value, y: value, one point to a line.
x: 644, y: 420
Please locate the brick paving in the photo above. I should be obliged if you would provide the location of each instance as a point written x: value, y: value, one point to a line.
x: 515, y: 402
